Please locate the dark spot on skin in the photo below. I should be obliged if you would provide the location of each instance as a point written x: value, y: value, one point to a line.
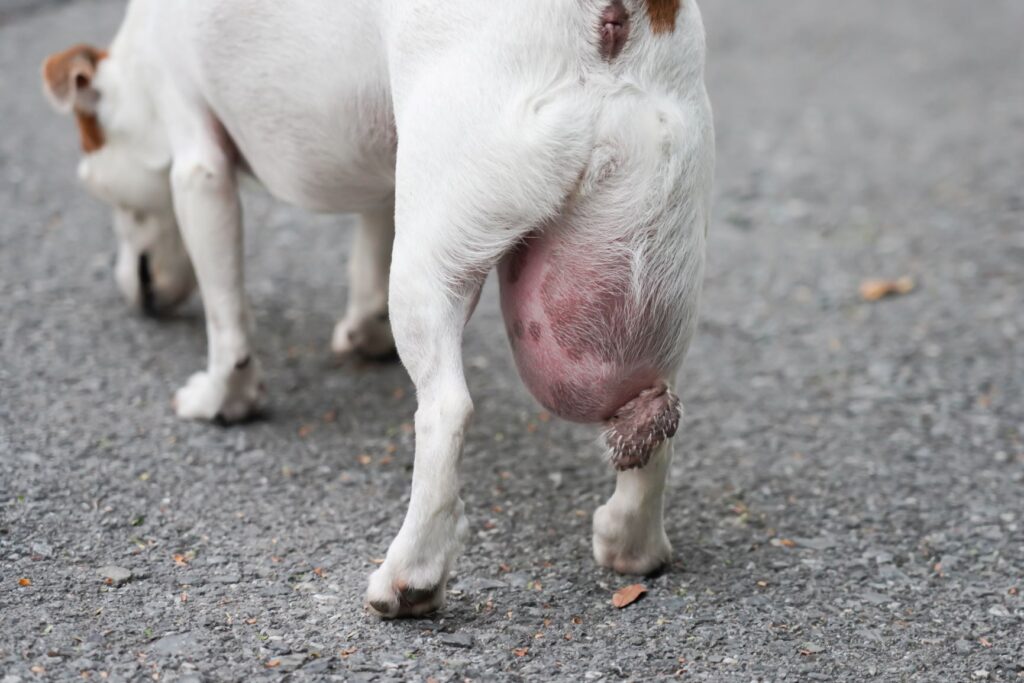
x: 517, y: 329
x: 614, y: 29
x: 147, y: 295
x: 244, y: 363
x: 535, y: 330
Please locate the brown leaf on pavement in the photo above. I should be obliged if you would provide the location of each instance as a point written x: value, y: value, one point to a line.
x: 628, y: 595
x: 875, y: 290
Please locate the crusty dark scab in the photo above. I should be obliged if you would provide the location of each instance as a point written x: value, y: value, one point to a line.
x: 636, y: 429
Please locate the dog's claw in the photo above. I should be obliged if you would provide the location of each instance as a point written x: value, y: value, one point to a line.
x: 409, y: 602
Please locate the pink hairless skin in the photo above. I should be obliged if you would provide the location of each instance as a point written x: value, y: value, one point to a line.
x: 585, y: 349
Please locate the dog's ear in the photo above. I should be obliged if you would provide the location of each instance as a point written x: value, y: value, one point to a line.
x: 68, y: 76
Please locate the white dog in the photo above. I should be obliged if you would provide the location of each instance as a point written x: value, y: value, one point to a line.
x: 567, y: 142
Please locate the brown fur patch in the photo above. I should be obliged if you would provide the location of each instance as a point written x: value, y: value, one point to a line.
x: 90, y: 132
x: 67, y: 72
x: 662, y: 14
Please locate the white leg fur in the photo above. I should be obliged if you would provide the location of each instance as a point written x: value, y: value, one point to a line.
x: 366, y: 328
x: 629, y: 531
x: 428, y: 329
x: 508, y: 188
x: 209, y: 212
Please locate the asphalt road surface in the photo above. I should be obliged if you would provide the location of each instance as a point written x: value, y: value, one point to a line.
x: 846, y: 502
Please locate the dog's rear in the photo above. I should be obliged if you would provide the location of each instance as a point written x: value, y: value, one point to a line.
x: 569, y: 141
x: 601, y: 302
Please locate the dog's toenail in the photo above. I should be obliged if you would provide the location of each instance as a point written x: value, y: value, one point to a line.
x: 244, y: 363
x: 380, y: 607
x: 411, y: 597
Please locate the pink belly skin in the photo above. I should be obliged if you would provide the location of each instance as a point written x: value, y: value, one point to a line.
x: 582, y: 347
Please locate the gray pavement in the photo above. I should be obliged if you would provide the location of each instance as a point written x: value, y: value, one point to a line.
x: 846, y: 502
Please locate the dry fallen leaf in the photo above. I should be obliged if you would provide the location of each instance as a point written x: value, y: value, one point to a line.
x: 364, y: 459
x: 874, y: 290
x: 24, y: 582
x: 520, y: 651
x: 985, y: 642
x: 180, y: 560
x: 273, y: 663
x: 347, y: 652
x: 319, y: 571
x: 305, y: 430
x: 37, y: 669
x: 628, y: 595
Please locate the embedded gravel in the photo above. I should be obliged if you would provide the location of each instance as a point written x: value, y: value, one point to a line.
x: 846, y: 500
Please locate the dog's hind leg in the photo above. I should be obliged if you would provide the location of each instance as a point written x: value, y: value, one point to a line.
x: 366, y: 327
x: 629, y: 531
x: 474, y: 176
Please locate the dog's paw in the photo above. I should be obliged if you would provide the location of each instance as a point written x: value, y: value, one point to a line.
x: 411, y: 582
x: 629, y: 544
x: 229, y: 398
x: 390, y: 597
x: 366, y: 336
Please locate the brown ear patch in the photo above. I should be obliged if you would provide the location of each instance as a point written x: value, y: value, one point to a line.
x: 89, y: 132
x: 662, y: 14
x: 69, y: 74
x: 67, y: 77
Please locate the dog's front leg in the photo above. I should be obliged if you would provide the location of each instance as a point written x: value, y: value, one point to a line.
x: 206, y: 202
x: 366, y: 327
